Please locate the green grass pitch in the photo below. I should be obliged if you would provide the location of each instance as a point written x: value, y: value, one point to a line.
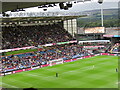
x: 93, y: 72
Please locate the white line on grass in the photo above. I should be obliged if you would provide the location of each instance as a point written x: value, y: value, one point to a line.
x: 36, y: 75
x: 13, y: 80
x: 10, y: 85
x: 21, y: 82
x: 89, y: 68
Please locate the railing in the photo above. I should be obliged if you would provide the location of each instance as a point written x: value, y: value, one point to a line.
x: 29, y: 47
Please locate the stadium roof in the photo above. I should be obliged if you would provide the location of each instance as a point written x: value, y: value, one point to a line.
x: 23, y: 19
x: 8, y: 5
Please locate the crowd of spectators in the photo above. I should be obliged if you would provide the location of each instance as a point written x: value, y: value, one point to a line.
x: 116, y: 48
x: 21, y: 36
x: 26, y: 60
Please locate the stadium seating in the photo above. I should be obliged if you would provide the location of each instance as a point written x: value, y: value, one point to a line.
x: 42, y: 57
x: 21, y: 36
x: 115, y: 48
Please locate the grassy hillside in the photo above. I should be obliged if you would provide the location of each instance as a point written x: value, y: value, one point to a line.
x: 94, y: 19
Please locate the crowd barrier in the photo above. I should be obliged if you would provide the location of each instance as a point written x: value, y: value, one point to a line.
x: 29, y: 47
x: 15, y: 49
x: 32, y: 68
x: 108, y: 54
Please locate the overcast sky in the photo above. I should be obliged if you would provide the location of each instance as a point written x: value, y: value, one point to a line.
x: 78, y: 7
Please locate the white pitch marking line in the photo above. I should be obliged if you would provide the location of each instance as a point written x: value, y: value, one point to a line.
x: 10, y: 85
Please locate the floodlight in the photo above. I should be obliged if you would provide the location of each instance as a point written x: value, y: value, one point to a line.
x: 61, y: 5
x: 100, y: 1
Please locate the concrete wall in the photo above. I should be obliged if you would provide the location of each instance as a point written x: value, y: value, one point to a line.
x: 71, y: 26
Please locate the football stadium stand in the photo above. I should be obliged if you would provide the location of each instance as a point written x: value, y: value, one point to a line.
x: 115, y: 48
x: 27, y: 60
x: 18, y: 36
x: 23, y: 36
